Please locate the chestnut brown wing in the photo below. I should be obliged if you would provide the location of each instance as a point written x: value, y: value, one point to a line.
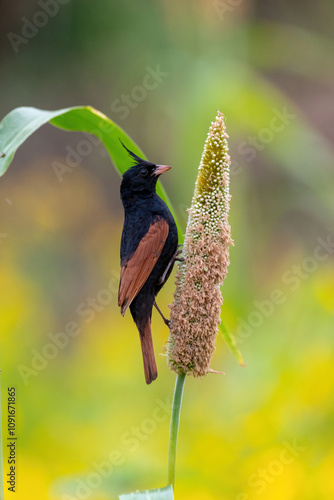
x: 137, y: 269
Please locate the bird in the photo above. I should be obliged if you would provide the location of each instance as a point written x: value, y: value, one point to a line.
x: 149, y: 248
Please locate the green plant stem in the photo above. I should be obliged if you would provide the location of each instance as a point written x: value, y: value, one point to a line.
x: 174, y: 427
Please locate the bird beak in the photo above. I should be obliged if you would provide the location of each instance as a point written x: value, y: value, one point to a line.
x: 161, y: 169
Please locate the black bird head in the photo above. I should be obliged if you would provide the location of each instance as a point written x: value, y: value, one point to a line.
x: 142, y: 177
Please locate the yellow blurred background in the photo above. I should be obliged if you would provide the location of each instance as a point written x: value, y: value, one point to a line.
x: 88, y: 426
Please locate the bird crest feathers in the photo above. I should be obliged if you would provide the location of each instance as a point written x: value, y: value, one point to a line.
x: 138, y: 161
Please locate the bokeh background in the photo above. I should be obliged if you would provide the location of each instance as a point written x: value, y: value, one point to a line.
x: 260, y: 431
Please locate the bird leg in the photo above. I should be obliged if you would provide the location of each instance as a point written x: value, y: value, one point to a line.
x: 166, y: 321
x: 171, y: 262
x: 178, y: 252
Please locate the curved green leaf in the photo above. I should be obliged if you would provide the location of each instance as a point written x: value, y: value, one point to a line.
x: 19, y: 124
x: 230, y: 340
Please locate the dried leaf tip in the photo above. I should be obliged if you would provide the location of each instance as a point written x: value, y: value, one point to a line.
x: 195, y: 312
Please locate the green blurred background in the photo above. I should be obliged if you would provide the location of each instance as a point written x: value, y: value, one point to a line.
x: 263, y: 431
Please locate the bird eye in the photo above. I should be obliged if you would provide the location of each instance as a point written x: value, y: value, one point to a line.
x: 143, y: 172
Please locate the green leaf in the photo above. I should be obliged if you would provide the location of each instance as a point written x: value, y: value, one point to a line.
x: 231, y: 343
x: 19, y: 124
x: 160, y: 494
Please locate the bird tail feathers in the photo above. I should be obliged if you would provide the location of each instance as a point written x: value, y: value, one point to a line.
x: 150, y: 367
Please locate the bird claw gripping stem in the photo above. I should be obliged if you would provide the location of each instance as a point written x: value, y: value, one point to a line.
x: 171, y: 262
